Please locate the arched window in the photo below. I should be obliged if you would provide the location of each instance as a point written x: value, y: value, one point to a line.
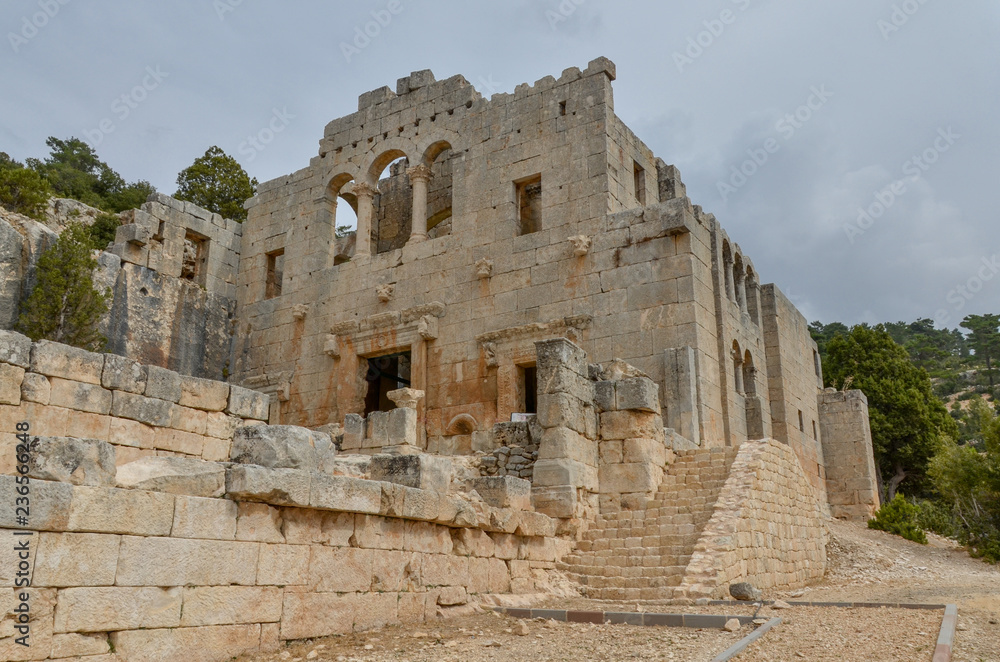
x: 727, y: 270
x: 344, y: 209
x: 740, y: 282
x: 737, y: 367
x: 749, y: 375
x: 438, y: 203
x: 753, y: 296
x: 392, y: 203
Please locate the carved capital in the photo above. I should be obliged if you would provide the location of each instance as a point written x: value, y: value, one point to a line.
x: 405, y: 398
x: 419, y: 172
x: 363, y: 190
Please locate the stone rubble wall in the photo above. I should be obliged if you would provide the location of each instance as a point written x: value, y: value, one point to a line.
x: 140, y: 410
x: 768, y: 527
x: 516, y: 449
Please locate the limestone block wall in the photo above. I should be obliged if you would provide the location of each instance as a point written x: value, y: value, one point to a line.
x: 851, y: 474
x: 767, y: 528
x: 287, y: 554
x: 794, y: 378
x: 140, y: 410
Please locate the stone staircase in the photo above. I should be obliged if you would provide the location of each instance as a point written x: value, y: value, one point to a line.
x: 642, y: 554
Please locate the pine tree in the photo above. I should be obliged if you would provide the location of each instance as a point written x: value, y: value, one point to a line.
x: 65, y: 306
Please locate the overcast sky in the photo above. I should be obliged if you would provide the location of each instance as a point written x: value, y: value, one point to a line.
x: 824, y: 104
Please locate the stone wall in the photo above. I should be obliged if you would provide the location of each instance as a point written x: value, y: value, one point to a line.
x: 140, y: 410
x: 158, y: 573
x: 768, y: 527
x: 515, y: 452
x: 851, y: 474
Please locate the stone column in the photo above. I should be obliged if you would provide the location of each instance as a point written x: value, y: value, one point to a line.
x: 741, y: 292
x: 365, y: 194
x: 419, y: 175
x: 727, y: 276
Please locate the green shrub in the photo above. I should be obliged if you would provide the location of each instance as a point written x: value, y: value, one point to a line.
x: 25, y: 191
x: 937, y: 517
x: 899, y: 517
x: 65, y: 306
x: 103, y: 230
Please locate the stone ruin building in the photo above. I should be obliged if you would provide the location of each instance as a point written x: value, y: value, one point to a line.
x: 536, y: 367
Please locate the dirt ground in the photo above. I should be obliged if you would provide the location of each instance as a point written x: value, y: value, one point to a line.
x: 864, y: 566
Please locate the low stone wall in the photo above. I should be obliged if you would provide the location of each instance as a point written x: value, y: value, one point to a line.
x: 516, y: 450
x: 767, y: 529
x: 153, y: 575
x: 141, y: 410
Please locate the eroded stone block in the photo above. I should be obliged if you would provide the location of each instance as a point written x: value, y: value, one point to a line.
x: 504, y: 491
x: 57, y: 360
x: 281, y: 447
x: 426, y: 472
x: 123, y: 374
x: 75, y: 461
x: 247, y: 404
x: 174, y: 475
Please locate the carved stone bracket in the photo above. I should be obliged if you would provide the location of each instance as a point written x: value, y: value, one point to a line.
x: 299, y: 311
x: 484, y: 267
x: 581, y: 244
x: 385, y: 291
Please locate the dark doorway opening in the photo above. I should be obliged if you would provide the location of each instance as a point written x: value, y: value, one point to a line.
x: 385, y: 373
x: 528, y: 387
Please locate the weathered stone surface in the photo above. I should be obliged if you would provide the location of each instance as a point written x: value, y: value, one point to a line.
x: 423, y: 471
x: 106, y: 608
x: 162, y: 384
x: 638, y: 393
x: 139, y: 408
x: 56, y: 360
x: 79, y: 396
x: 34, y: 388
x: 345, y: 493
x: 224, y: 605
x: 79, y: 645
x: 283, y: 565
x: 281, y: 447
x: 75, y: 559
x: 504, y: 491
x: 258, y: 522
x: 76, y: 461
x: 11, y: 378
x: 205, y: 394
x: 247, y: 404
x: 11, y: 273
x: 113, y: 510
x: 201, y: 644
x: 123, y: 374
x: 43, y: 602
x: 50, y: 505
x: 175, y: 475
x: 340, y: 569
x: 316, y: 615
x: 200, y: 517
x: 15, y: 349
x: 186, y: 562
x: 287, y: 487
